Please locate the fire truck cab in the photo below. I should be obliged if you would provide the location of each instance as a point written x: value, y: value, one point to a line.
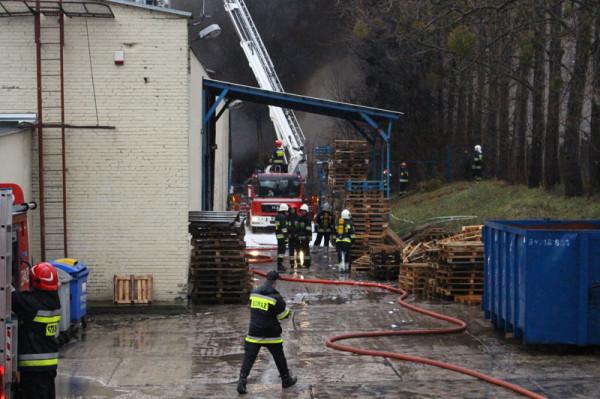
x: 268, y: 191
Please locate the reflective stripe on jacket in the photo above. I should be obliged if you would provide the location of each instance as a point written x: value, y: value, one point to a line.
x: 278, y: 156
x: 404, y: 177
x: 267, y: 308
x: 281, y: 226
x: 39, y: 315
x: 303, y: 226
x: 477, y: 161
x: 345, y: 231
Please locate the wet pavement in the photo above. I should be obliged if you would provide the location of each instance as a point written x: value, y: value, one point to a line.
x: 197, y: 353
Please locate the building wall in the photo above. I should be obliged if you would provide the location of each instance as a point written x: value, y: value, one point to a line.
x: 127, y: 187
x: 222, y: 163
x: 197, y: 73
x: 15, y: 160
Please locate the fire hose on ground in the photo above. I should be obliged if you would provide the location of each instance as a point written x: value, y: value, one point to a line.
x: 459, y: 327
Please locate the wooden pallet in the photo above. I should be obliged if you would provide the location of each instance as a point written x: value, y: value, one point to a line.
x: 362, y: 264
x: 218, y: 263
x: 414, y: 277
x: 133, y: 289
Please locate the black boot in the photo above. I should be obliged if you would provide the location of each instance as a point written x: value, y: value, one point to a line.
x: 280, y: 268
x: 288, y: 381
x: 241, y: 387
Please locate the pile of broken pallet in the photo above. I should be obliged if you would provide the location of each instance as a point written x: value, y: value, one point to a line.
x: 218, y: 265
x: 451, y: 268
x: 382, y: 260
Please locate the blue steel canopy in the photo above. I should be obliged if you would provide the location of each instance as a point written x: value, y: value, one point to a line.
x: 297, y: 102
x: 215, y: 92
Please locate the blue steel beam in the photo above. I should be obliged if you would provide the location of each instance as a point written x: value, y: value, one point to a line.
x: 375, y: 126
x: 297, y: 102
x: 212, y: 109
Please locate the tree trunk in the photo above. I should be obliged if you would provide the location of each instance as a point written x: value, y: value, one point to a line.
x: 478, y: 106
x: 491, y: 127
x: 551, y: 165
x: 594, y: 150
x: 520, y: 132
x: 572, y: 168
x: 461, y: 108
x: 504, y: 117
x: 451, y: 96
x: 468, y: 140
x: 534, y: 177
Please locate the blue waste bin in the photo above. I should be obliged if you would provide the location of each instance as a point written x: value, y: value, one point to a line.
x: 542, y: 280
x: 79, y: 272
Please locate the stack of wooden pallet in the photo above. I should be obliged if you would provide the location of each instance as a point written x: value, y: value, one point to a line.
x: 416, y: 269
x: 451, y: 268
x: 414, y: 277
x: 459, y: 274
x: 385, y: 262
x: 370, y: 210
x: 218, y: 266
x: 350, y: 161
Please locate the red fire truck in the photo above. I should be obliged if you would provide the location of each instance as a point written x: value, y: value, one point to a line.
x: 267, y: 191
x: 21, y: 255
x: 14, y: 267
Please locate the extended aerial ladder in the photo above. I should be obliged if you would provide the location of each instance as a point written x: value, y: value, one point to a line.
x: 286, y: 125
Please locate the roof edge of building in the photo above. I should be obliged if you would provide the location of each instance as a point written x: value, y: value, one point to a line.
x: 171, y: 11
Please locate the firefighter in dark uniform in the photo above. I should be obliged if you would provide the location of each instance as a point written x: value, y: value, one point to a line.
x: 403, y: 180
x: 278, y: 163
x: 267, y: 308
x: 324, y: 226
x: 292, y: 236
x: 345, y: 235
x: 38, y: 312
x: 304, y: 232
x: 477, y: 163
x: 281, y: 233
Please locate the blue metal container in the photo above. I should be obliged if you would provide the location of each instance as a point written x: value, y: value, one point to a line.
x: 542, y: 280
x: 79, y: 272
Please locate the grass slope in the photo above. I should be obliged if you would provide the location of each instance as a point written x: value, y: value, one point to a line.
x: 488, y: 200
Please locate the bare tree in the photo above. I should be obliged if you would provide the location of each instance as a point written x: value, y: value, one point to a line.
x: 572, y: 167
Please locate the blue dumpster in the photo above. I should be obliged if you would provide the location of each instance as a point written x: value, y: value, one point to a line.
x: 542, y: 280
x: 79, y: 272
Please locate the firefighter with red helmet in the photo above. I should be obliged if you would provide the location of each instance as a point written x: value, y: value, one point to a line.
x: 278, y: 163
x: 38, y: 312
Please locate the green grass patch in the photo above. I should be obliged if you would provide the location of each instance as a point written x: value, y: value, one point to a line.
x: 485, y: 200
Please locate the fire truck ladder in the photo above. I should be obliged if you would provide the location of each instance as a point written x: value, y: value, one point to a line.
x: 49, y: 26
x: 286, y: 125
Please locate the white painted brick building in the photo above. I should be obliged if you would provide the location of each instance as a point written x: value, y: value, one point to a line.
x: 129, y: 189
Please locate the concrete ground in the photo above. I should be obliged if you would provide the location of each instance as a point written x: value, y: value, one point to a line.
x: 196, y: 353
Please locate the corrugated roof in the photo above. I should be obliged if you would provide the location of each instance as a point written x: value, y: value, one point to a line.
x: 152, y: 8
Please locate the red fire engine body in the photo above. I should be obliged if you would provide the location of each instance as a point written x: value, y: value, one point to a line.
x: 21, y: 255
